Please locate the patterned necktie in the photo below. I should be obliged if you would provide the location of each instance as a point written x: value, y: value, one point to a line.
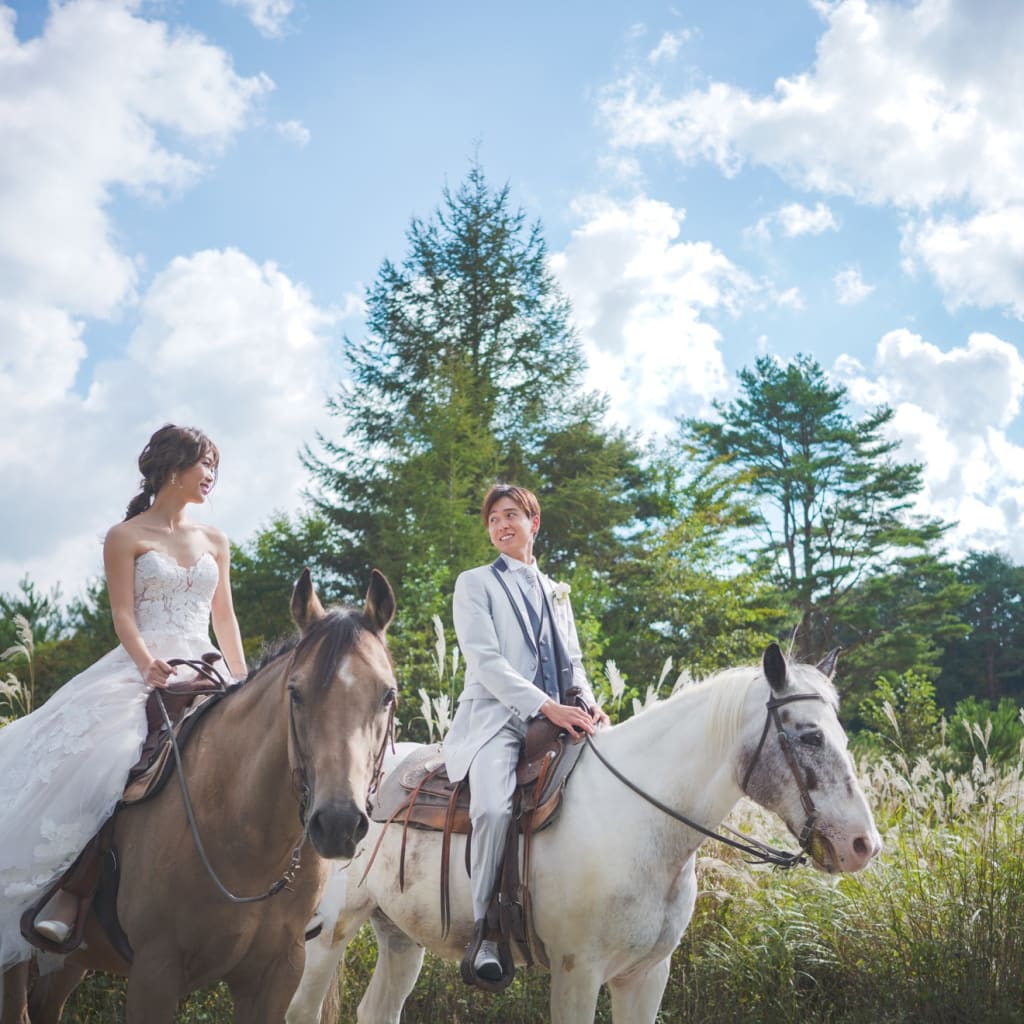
x: 531, y: 587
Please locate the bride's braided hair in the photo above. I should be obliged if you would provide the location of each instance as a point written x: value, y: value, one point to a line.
x: 169, y: 450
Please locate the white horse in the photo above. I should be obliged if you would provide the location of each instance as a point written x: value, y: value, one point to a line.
x: 612, y: 881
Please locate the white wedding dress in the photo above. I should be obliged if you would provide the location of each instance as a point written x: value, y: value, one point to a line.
x: 63, y: 768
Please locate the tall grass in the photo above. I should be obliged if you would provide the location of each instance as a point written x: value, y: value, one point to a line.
x: 932, y: 932
x: 17, y: 698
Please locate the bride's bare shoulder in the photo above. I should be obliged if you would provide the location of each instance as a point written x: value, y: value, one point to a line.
x: 124, y: 539
x: 217, y: 539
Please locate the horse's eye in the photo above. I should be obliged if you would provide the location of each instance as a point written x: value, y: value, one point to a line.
x: 814, y: 738
x: 390, y: 697
x: 295, y: 696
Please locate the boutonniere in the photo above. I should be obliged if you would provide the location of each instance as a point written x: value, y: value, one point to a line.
x: 560, y: 593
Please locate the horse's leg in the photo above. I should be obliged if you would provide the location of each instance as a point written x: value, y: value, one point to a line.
x: 323, y: 956
x: 637, y: 994
x: 51, y: 991
x: 154, y: 986
x: 399, y: 960
x: 263, y: 997
x: 574, y: 990
x: 345, y: 908
x: 14, y: 1008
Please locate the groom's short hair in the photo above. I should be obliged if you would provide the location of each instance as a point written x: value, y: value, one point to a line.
x: 525, y: 499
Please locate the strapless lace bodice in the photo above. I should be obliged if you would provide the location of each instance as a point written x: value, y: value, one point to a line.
x: 172, y: 598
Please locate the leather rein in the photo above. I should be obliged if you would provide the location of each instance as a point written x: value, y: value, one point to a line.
x: 205, y: 668
x: 756, y: 851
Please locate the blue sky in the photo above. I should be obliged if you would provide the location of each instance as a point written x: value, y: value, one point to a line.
x: 195, y: 194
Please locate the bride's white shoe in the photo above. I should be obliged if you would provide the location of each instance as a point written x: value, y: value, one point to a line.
x: 55, y: 931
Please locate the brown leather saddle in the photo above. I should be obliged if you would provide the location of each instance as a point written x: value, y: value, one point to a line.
x: 418, y: 794
x: 93, y: 877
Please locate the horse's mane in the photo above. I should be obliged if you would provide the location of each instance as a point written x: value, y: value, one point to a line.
x: 727, y: 692
x: 333, y: 636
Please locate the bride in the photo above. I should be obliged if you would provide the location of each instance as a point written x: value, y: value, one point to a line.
x: 63, y: 767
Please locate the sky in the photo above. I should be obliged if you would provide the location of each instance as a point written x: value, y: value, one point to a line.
x: 196, y: 194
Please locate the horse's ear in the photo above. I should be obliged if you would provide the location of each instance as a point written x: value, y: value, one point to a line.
x: 827, y: 665
x: 774, y: 665
x: 306, y: 606
x: 380, y: 601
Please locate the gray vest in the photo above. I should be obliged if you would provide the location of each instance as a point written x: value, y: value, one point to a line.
x: 554, y: 667
x: 547, y: 668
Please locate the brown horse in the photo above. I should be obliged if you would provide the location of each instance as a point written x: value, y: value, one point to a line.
x: 298, y: 740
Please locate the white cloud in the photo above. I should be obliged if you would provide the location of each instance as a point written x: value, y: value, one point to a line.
x: 668, y: 46
x: 791, y: 298
x: 795, y: 219
x: 270, y: 17
x: 641, y: 297
x: 906, y: 105
x: 952, y: 413
x: 74, y: 134
x: 222, y: 343
x: 979, y: 261
x: 851, y: 288
x: 293, y: 131
x: 75, y: 137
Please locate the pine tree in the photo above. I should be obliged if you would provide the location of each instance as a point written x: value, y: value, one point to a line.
x: 470, y: 372
x: 988, y: 661
x: 834, y: 504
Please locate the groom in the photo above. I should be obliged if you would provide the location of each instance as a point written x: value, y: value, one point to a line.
x: 522, y: 655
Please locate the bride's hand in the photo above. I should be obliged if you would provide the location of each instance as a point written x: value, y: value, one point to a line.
x: 157, y: 673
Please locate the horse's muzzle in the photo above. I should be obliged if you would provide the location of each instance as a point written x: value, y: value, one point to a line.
x: 336, y: 827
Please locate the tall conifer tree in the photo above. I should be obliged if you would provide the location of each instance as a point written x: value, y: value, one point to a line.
x: 470, y: 371
x: 835, y: 506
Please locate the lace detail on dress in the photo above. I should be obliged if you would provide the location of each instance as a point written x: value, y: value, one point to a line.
x: 172, y: 598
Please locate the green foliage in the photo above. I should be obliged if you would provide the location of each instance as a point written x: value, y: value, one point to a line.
x: 988, y: 659
x: 899, y: 620
x: 470, y: 372
x: 978, y: 730
x: 265, y: 568
x: 100, y: 999
x: 44, y: 611
x: 904, y: 713
x: 469, y: 360
x: 90, y: 636
x: 689, y: 591
x: 832, y: 503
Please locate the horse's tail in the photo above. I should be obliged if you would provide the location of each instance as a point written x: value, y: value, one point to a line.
x: 330, y: 1008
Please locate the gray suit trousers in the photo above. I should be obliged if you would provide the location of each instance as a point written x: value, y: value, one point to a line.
x: 492, y: 782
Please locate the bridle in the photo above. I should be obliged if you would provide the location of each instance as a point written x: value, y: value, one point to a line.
x: 377, y: 771
x: 786, y: 743
x: 217, y: 685
x: 205, y: 668
x: 756, y: 851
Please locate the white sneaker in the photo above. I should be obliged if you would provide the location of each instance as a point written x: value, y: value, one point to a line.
x: 486, y: 962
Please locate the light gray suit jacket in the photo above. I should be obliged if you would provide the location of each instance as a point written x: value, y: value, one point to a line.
x: 500, y: 663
